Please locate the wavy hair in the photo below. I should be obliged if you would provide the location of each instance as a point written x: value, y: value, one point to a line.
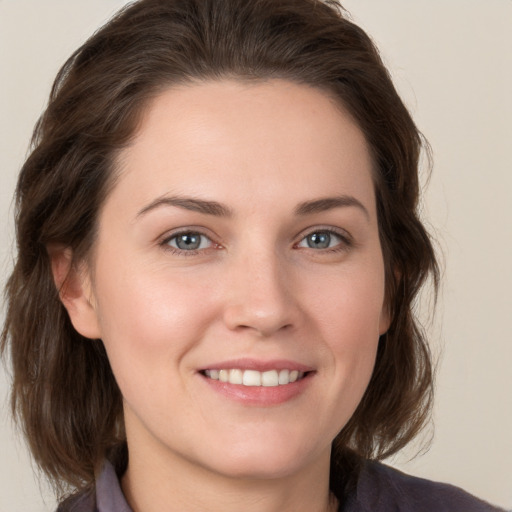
x: 64, y: 394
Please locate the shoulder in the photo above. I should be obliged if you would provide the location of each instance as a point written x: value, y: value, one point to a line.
x: 382, y: 488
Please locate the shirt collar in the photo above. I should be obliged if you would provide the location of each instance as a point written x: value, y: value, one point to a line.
x: 109, y: 496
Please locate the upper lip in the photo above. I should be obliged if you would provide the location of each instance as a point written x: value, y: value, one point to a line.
x: 258, y: 365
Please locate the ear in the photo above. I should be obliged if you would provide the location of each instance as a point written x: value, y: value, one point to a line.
x: 74, y: 285
x: 385, y: 315
x: 385, y: 320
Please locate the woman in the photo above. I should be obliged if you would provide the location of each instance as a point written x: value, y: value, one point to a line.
x: 218, y: 253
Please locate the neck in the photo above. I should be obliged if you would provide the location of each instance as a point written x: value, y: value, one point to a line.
x: 166, y: 483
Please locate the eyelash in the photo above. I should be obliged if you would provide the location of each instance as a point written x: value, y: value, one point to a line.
x: 183, y: 252
x: 346, y: 241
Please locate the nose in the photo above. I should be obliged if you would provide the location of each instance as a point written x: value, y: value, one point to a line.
x: 259, y: 296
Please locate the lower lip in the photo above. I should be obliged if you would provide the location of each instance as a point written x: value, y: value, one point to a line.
x: 260, y: 395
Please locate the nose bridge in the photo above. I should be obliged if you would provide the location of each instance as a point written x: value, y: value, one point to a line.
x: 259, y: 296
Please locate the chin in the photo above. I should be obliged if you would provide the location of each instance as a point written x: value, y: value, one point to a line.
x: 268, y: 460
x: 272, y: 469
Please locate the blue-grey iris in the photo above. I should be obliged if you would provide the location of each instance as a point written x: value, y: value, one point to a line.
x: 321, y: 240
x: 188, y: 241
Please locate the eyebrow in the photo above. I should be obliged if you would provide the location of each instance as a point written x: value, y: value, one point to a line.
x: 189, y: 203
x: 219, y: 210
x: 328, y: 203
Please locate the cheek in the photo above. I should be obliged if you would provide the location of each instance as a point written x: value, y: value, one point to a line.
x: 350, y: 319
x: 351, y: 306
x: 149, y: 321
x: 159, y: 304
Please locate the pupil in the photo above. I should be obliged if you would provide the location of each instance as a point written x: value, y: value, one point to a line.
x: 319, y: 240
x: 188, y: 241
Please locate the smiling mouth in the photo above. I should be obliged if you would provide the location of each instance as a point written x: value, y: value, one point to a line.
x: 254, y: 378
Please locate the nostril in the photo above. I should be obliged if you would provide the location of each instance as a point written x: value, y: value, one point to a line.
x: 264, y: 330
x: 263, y: 321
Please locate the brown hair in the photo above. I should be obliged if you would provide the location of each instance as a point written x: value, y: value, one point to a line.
x: 64, y: 393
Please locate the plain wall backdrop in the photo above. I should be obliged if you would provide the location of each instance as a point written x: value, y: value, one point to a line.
x: 451, y: 61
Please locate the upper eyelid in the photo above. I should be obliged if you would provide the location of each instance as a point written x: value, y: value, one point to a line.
x: 181, y: 233
x: 168, y: 235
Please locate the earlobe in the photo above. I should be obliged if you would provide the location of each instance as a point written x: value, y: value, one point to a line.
x: 385, y: 317
x: 75, y: 290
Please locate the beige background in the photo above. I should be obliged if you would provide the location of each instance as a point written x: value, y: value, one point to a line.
x: 451, y: 60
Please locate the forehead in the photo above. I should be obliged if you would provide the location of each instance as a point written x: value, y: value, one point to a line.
x: 234, y: 140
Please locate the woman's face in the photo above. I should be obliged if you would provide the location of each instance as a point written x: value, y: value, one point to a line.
x: 238, y: 279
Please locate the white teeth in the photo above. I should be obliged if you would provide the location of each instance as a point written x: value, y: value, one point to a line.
x: 271, y: 378
x: 251, y: 378
x: 284, y: 376
x: 236, y: 376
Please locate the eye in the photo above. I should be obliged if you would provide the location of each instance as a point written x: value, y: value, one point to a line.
x: 189, y: 241
x: 323, y: 239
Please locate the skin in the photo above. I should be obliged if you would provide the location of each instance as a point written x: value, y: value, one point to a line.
x: 254, y: 289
